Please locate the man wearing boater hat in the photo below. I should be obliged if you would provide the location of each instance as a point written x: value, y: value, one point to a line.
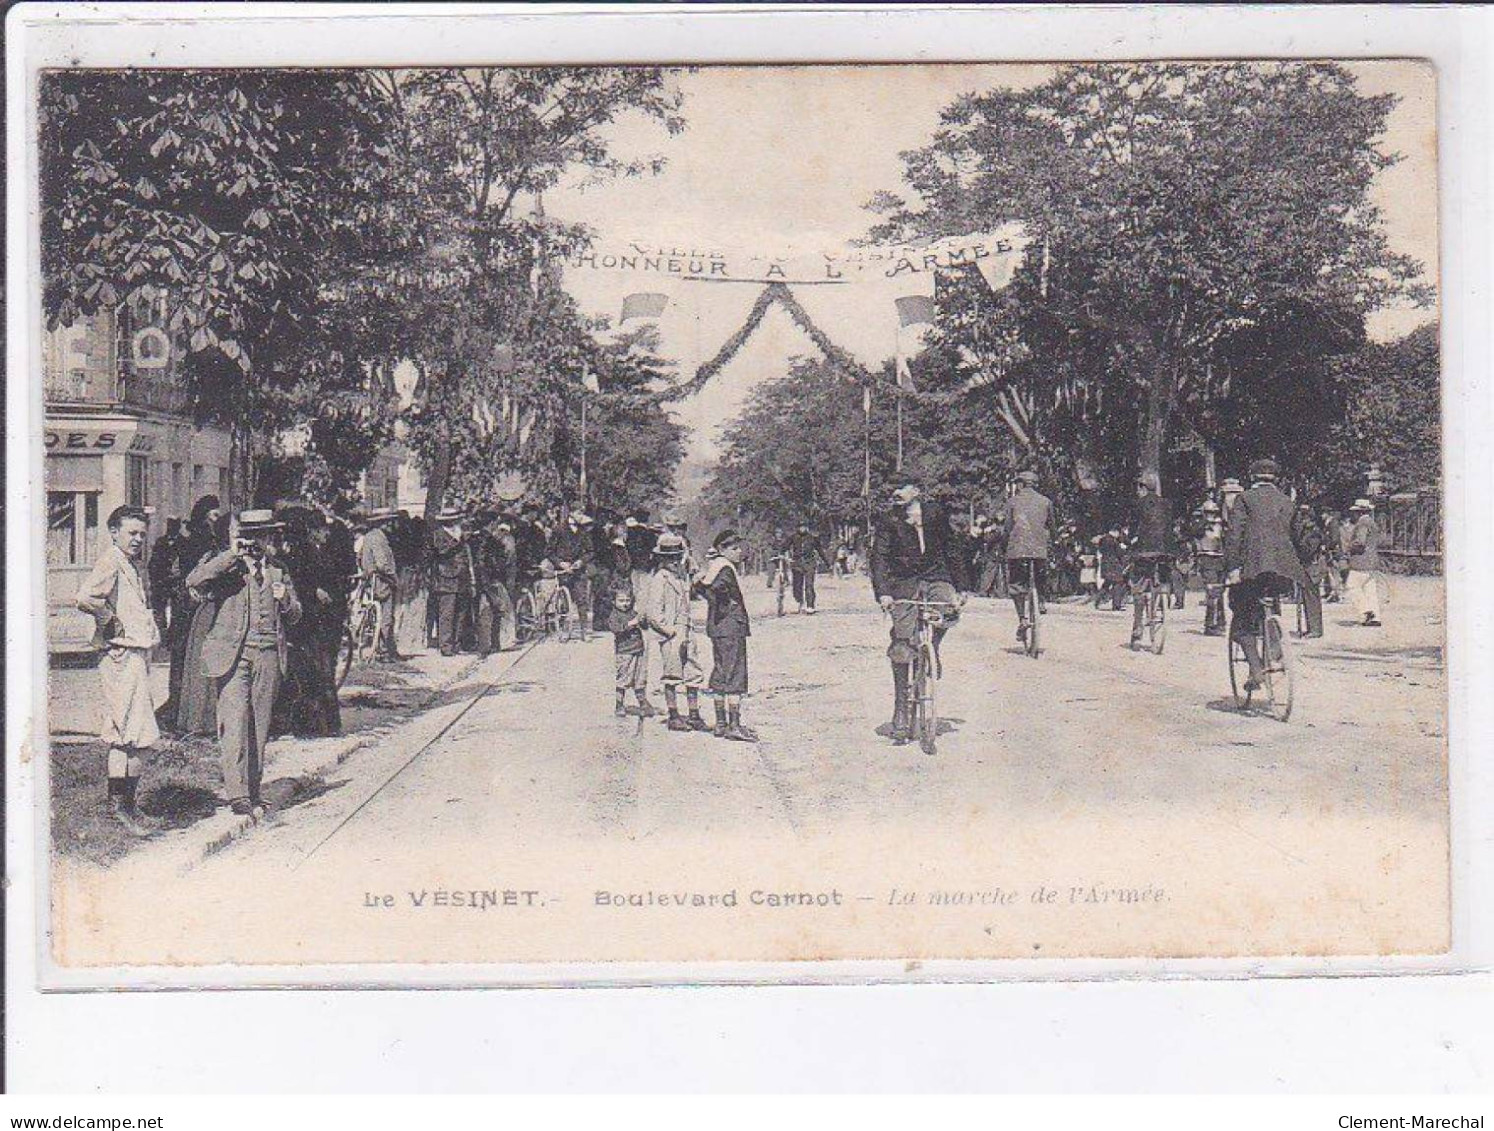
x: 245, y: 650
x: 376, y: 563
x: 1259, y: 555
x: 1364, y: 563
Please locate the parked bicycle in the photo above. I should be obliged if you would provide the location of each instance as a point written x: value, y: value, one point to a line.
x: 542, y: 612
x: 360, y: 635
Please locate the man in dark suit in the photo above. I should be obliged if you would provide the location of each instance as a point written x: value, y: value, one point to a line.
x: 245, y: 649
x: 452, y: 577
x: 1259, y: 555
x: 805, y: 557
x: 914, y: 558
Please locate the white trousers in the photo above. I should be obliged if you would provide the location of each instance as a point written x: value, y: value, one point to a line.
x: 1364, y: 592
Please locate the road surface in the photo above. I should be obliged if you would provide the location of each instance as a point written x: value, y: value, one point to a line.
x: 1094, y: 801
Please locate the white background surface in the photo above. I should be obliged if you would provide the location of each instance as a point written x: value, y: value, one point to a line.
x: 1323, y: 1034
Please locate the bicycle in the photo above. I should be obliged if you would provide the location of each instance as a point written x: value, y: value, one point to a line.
x: 1153, y: 592
x: 1032, y: 610
x: 923, y: 712
x: 537, y: 617
x: 1278, y: 667
x: 360, y: 635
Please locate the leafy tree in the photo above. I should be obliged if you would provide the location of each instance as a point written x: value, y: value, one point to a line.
x: 796, y: 453
x: 1392, y: 418
x: 1189, y: 225
x: 633, y: 444
x: 502, y: 350
x: 214, y: 195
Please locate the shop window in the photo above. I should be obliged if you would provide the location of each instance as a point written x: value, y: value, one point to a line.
x: 72, y: 528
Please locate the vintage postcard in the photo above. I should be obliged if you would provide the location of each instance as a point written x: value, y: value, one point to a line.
x: 745, y: 514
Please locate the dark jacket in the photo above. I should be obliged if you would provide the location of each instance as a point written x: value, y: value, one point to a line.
x: 1029, y: 524
x: 1307, y: 536
x: 1112, y: 558
x: 641, y: 543
x: 726, y: 614
x: 1258, y: 535
x: 573, y: 546
x: 805, y: 553
x: 1153, y: 528
x: 897, y: 563
x: 451, y: 563
x: 495, y: 559
x: 626, y: 627
x: 223, y: 576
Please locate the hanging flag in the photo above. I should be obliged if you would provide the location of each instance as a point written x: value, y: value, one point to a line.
x: 589, y: 380
x: 914, y: 312
x: 643, y: 305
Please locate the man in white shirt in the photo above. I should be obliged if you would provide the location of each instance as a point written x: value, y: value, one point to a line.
x: 125, y: 631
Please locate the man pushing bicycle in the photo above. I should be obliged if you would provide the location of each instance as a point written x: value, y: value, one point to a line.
x: 914, y: 558
x: 1260, y: 558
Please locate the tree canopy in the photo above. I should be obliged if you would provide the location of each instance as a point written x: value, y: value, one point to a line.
x: 1193, y: 229
x: 307, y: 232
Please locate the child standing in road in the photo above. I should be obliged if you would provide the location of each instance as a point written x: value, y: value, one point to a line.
x: 728, y: 627
x: 626, y: 627
x: 669, y: 617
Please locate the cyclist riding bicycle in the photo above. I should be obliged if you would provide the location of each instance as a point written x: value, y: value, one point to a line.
x: 1030, y: 527
x: 1153, y: 551
x: 1260, y: 558
x: 914, y: 557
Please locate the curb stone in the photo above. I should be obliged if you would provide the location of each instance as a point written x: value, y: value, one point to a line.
x: 336, y: 757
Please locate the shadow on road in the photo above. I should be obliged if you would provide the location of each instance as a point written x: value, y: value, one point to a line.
x: 180, y: 805
x: 287, y: 793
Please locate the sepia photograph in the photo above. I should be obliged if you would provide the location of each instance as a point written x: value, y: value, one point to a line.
x: 741, y: 514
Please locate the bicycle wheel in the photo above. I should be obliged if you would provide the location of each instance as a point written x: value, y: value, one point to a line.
x: 1031, y: 644
x: 1157, y: 620
x: 1239, y: 669
x: 366, y: 633
x: 346, y: 650
x: 1279, y: 668
x: 526, y: 623
x: 780, y: 595
x: 926, y: 715
x: 561, y: 613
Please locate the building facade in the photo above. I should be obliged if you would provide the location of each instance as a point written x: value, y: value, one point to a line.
x: 118, y: 431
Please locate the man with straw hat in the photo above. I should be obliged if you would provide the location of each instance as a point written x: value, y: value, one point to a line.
x: 668, y: 615
x: 1364, y: 582
x: 245, y: 650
